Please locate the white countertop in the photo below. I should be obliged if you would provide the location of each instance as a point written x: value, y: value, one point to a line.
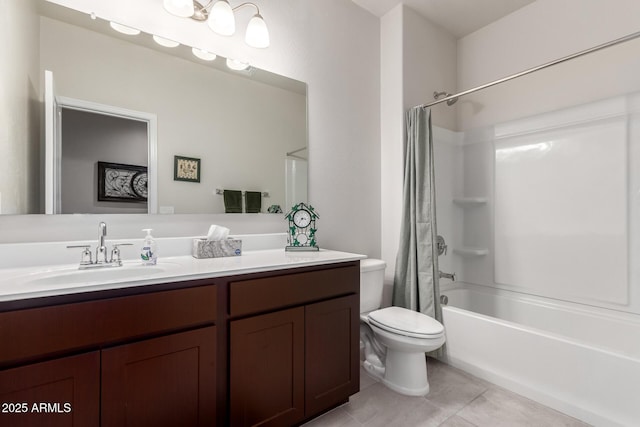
x: 45, y: 281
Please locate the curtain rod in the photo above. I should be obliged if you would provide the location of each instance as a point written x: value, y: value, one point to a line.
x: 539, y: 67
x: 295, y: 151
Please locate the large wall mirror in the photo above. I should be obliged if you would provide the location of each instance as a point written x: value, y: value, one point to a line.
x: 247, y: 129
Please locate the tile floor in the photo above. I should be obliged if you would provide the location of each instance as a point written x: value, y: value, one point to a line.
x: 456, y: 399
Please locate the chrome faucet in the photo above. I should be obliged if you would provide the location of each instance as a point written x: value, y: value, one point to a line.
x: 102, y: 260
x: 101, y: 249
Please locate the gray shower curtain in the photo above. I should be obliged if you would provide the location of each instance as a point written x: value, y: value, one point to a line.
x: 415, y: 284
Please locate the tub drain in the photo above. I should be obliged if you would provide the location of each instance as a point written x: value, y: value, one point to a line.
x: 444, y: 300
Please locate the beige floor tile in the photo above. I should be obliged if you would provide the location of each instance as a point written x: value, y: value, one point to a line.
x: 498, y: 407
x: 378, y: 406
x: 456, y: 421
x: 410, y: 412
x: 456, y: 399
x: 450, y: 388
x: 338, y: 417
x: 365, y: 379
x: 371, y: 403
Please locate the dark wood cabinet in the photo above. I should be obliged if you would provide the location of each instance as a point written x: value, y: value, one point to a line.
x: 291, y: 364
x: 60, y: 392
x: 332, y: 370
x: 124, y: 376
x: 270, y: 349
x: 267, y: 369
x: 167, y: 381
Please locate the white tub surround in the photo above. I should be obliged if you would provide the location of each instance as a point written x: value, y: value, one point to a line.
x: 175, y: 264
x: 583, y: 361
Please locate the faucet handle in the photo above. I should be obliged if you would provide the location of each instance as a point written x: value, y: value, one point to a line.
x: 115, y: 252
x: 86, y: 254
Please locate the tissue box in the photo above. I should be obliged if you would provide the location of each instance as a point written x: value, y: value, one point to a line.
x: 203, y: 248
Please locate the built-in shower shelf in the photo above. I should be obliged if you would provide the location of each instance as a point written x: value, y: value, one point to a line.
x: 466, y: 251
x: 468, y: 202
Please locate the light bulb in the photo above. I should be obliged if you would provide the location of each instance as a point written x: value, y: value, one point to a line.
x: 203, y: 54
x: 257, y: 33
x: 236, y: 65
x: 181, y: 8
x: 165, y: 42
x: 221, y: 19
x: 124, y: 29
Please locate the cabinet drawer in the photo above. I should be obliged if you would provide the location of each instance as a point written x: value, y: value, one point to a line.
x: 39, y: 332
x: 264, y: 294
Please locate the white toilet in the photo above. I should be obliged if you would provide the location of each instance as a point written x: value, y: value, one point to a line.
x: 394, y: 339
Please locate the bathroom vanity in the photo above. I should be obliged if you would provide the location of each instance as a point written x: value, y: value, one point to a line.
x: 267, y: 337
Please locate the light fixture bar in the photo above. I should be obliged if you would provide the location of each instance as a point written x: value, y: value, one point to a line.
x: 248, y: 3
x: 220, y: 18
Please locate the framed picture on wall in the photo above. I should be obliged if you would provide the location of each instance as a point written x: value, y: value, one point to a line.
x: 186, y: 169
x: 122, y: 183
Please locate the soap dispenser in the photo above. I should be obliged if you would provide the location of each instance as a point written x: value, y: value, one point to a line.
x: 148, y: 251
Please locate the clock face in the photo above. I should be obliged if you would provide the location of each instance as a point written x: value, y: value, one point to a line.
x: 302, y: 218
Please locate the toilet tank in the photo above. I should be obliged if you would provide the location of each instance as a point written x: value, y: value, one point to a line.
x: 371, y: 284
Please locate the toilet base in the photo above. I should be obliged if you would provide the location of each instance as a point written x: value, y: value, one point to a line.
x: 404, y: 372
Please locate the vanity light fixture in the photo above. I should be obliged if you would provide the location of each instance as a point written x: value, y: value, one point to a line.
x: 124, y: 29
x: 181, y: 8
x: 165, y: 42
x: 203, y: 54
x: 236, y: 65
x: 220, y: 18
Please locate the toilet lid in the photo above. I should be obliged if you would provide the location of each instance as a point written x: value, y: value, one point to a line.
x: 406, y: 322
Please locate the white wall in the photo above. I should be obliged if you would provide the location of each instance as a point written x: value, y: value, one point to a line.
x: 429, y: 65
x: 392, y: 139
x: 417, y: 58
x: 19, y: 108
x: 541, y: 32
x: 332, y: 45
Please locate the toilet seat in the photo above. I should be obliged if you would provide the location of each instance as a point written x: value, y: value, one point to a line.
x: 406, y: 322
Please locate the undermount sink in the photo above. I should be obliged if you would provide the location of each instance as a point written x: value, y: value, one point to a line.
x: 98, y: 275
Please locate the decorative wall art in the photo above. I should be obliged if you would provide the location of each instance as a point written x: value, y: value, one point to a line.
x: 186, y: 169
x: 122, y: 183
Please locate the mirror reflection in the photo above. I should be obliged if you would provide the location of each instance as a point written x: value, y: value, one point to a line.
x: 247, y: 129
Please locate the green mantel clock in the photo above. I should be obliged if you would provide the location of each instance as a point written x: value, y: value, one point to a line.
x: 302, y: 228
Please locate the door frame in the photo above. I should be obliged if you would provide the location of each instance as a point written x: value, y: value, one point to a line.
x: 109, y: 110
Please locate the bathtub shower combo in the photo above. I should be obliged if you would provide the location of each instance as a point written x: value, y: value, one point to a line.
x: 540, y: 205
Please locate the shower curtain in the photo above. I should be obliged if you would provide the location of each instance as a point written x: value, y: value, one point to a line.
x: 415, y: 284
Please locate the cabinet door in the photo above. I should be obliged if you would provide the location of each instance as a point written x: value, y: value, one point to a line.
x: 332, y: 331
x: 167, y: 381
x: 60, y: 392
x: 267, y: 369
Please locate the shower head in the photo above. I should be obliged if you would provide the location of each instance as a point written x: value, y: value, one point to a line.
x: 440, y: 95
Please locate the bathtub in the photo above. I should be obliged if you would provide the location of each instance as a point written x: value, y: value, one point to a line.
x: 580, y: 360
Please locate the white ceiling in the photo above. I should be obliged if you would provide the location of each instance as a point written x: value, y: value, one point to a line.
x: 459, y: 17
